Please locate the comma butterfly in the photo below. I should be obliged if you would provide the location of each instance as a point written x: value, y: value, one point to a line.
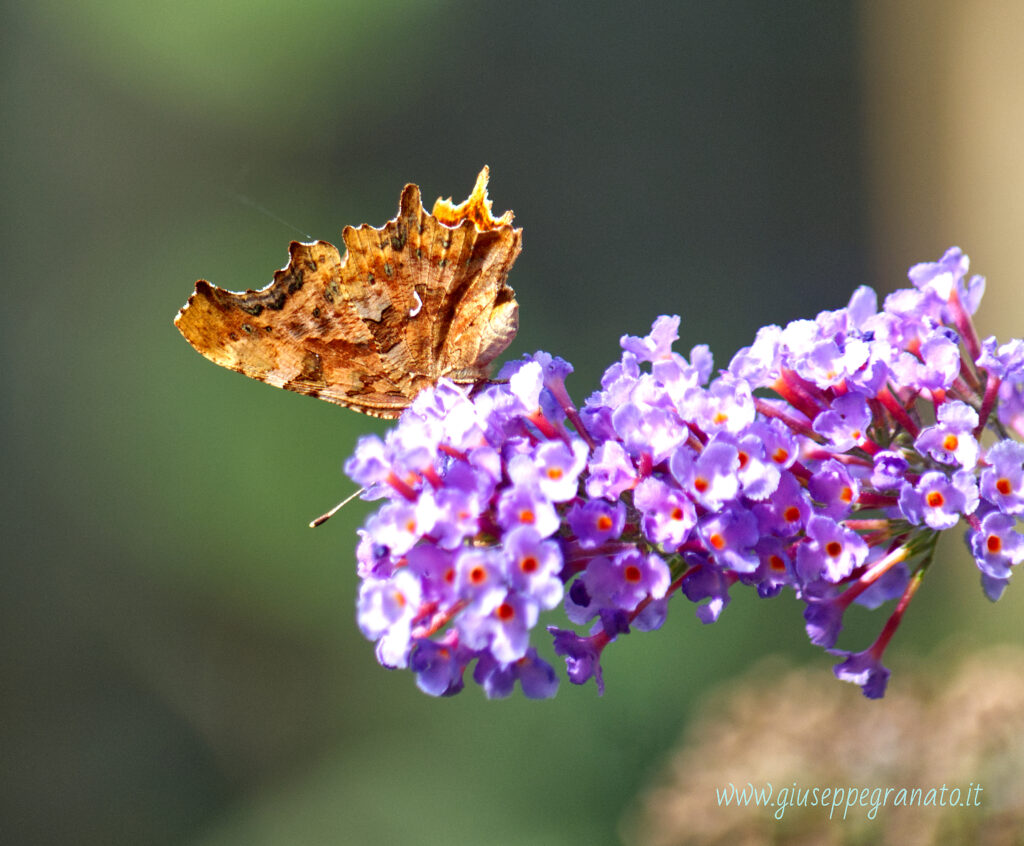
x: 423, y: 297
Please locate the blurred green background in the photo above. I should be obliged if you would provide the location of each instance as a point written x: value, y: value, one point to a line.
x: 179, y: 661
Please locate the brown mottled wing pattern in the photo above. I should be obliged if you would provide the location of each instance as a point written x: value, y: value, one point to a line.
x: 421, y: 298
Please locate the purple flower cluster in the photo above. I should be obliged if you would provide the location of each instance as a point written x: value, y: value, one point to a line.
x: 673, y: 480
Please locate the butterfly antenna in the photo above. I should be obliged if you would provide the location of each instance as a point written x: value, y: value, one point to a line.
x: 248, y: 201
x: 323, y: 518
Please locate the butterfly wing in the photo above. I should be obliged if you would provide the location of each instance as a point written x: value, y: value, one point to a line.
x: 423, y: 297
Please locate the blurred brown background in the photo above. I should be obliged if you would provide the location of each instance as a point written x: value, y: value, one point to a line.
x: 179, y: 661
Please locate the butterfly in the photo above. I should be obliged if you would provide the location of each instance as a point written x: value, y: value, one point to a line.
x: 421, y: 298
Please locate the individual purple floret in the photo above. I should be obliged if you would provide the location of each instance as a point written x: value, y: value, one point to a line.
x: 951, y: 440
x: 1002, y: 482
x: 996, y: 545
x: 863, y: 669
